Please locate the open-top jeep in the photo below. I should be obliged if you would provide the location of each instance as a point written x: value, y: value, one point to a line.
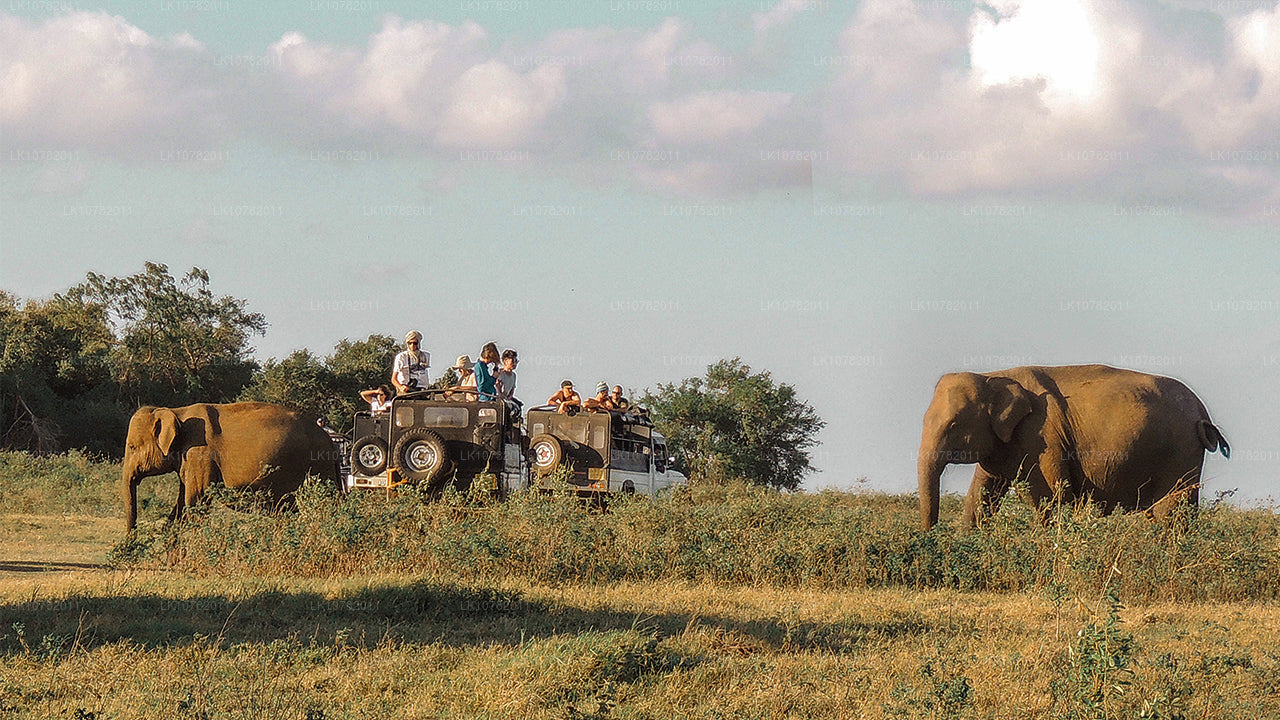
x: 607, y: 452
x: 434, y: 438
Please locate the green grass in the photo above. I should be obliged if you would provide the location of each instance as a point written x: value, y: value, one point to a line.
x: 713, y: 602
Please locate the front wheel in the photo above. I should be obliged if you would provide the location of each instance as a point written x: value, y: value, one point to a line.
x: 420, y: 455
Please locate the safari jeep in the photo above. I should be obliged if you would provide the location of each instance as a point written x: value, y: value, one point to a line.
x: 606, y: 452
x: 430, y: 439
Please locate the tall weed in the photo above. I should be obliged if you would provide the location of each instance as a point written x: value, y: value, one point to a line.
x: 738, y: 535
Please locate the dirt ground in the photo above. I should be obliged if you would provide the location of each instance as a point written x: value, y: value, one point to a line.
x: 55, y: 543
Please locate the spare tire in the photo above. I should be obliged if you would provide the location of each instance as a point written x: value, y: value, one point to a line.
x: 547, y: 453
x: 369, y: 455
x: 421, y: 456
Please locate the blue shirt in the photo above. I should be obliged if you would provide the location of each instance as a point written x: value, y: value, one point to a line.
x: 486, y: 383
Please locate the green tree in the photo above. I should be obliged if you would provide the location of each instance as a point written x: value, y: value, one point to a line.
x: 329, y: 387
x: 356, y: 366
x: 55, y: 384
x: 176, y: 342
x: 737, y: 424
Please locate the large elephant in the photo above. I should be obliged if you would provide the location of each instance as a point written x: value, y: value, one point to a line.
x: 249, y: 446
x: 1121, y: 438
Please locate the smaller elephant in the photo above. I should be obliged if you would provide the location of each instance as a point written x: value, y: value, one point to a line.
x: 245, y: 446
x: 1120, y: 438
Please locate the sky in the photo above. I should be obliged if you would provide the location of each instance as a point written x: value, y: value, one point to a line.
x: 854, y: 196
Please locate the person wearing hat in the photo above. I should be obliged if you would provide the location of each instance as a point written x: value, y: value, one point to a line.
x: 566, y: 401
x: 599, y: 401
x: 409, y: 372
x: 466, y: 379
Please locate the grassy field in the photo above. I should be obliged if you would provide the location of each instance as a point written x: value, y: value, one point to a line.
x: 714, y: 603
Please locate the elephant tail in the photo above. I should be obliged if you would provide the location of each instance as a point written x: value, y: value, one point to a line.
x: 1212, y: 439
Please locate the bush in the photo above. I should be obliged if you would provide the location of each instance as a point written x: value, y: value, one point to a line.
x: 736, y: 535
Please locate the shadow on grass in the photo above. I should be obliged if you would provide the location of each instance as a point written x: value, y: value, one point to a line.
x: 40, y: 566
x: 421, y: 612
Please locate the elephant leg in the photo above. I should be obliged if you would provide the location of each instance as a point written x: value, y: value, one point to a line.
x: 1034, y: 488
x: 196, y: 472
x: 985, y: 494
x: 181, y: 504
x: 1185, y: 491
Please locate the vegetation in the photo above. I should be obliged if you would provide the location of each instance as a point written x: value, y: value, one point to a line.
x: 330, y: 386
x: 717, y: 601
x: 737, y: 424
x: 74, y: 367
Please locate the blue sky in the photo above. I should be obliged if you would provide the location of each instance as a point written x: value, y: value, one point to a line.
x: 856, y: 197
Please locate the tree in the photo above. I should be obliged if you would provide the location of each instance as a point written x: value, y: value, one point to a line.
x: 176, y: 343
x: 55, y: 384
x: 329, y: 387
x: 737, y: 424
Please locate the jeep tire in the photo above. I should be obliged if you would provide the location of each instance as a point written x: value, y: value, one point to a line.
x: 546, y: 453
x: 369, y: 456
x: 420, y: 455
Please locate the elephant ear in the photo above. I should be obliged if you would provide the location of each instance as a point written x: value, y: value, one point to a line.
x: 1010, y: 402
x: 166, y: 429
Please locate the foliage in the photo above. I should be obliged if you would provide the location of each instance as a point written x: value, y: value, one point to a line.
x: 176, y: 342
x: 329, y: 387
x: 737, y: 424
x: 735, y: 535
x: 1099, y: 672
x: 54, y: 376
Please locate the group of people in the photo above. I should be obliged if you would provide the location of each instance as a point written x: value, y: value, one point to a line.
x: 568, y: 401
x: 492, y: 377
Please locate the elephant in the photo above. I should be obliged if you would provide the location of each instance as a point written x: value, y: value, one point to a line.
x: 249, y: 446
x: 1121, y: 438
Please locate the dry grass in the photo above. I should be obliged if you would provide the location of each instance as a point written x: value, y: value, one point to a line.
x: 126, y: 645
x: 250, y: 616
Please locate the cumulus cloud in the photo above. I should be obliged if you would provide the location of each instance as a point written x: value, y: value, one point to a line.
x: 92, y: 80
x: 1071, y: 98
x: 1075, y: 99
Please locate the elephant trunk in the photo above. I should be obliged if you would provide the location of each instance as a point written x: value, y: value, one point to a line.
x: 129, y: 478
x: 930, y: 466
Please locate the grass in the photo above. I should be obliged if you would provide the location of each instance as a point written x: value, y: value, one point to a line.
x: 716, y: 602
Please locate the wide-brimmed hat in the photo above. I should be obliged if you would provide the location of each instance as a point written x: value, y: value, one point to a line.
x: 412, y: 335
x: 464, y: 361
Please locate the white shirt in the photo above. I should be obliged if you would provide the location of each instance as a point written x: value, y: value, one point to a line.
x: 412, y: 366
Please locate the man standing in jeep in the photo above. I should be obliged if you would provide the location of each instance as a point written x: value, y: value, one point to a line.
x: 410, y: 370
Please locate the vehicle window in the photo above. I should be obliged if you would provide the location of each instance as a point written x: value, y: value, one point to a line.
x: 599, y: 439
x: 445, y: 417
x: 404, y: 416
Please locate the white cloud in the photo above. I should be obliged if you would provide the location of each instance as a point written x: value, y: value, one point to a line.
x: 493, y: 106
x: 1052, y: 40
x: 1081, y: 99
x: 93, y: 80
x: 716, y: 116
x: 1046, y: 106
x: 780, y: 15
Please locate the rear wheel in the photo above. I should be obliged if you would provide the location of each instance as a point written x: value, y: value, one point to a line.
x: 420, y: 455
x: 369, y: 455
x: 547, y: 453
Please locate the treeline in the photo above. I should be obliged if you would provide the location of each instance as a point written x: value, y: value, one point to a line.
x: 75, y: 366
